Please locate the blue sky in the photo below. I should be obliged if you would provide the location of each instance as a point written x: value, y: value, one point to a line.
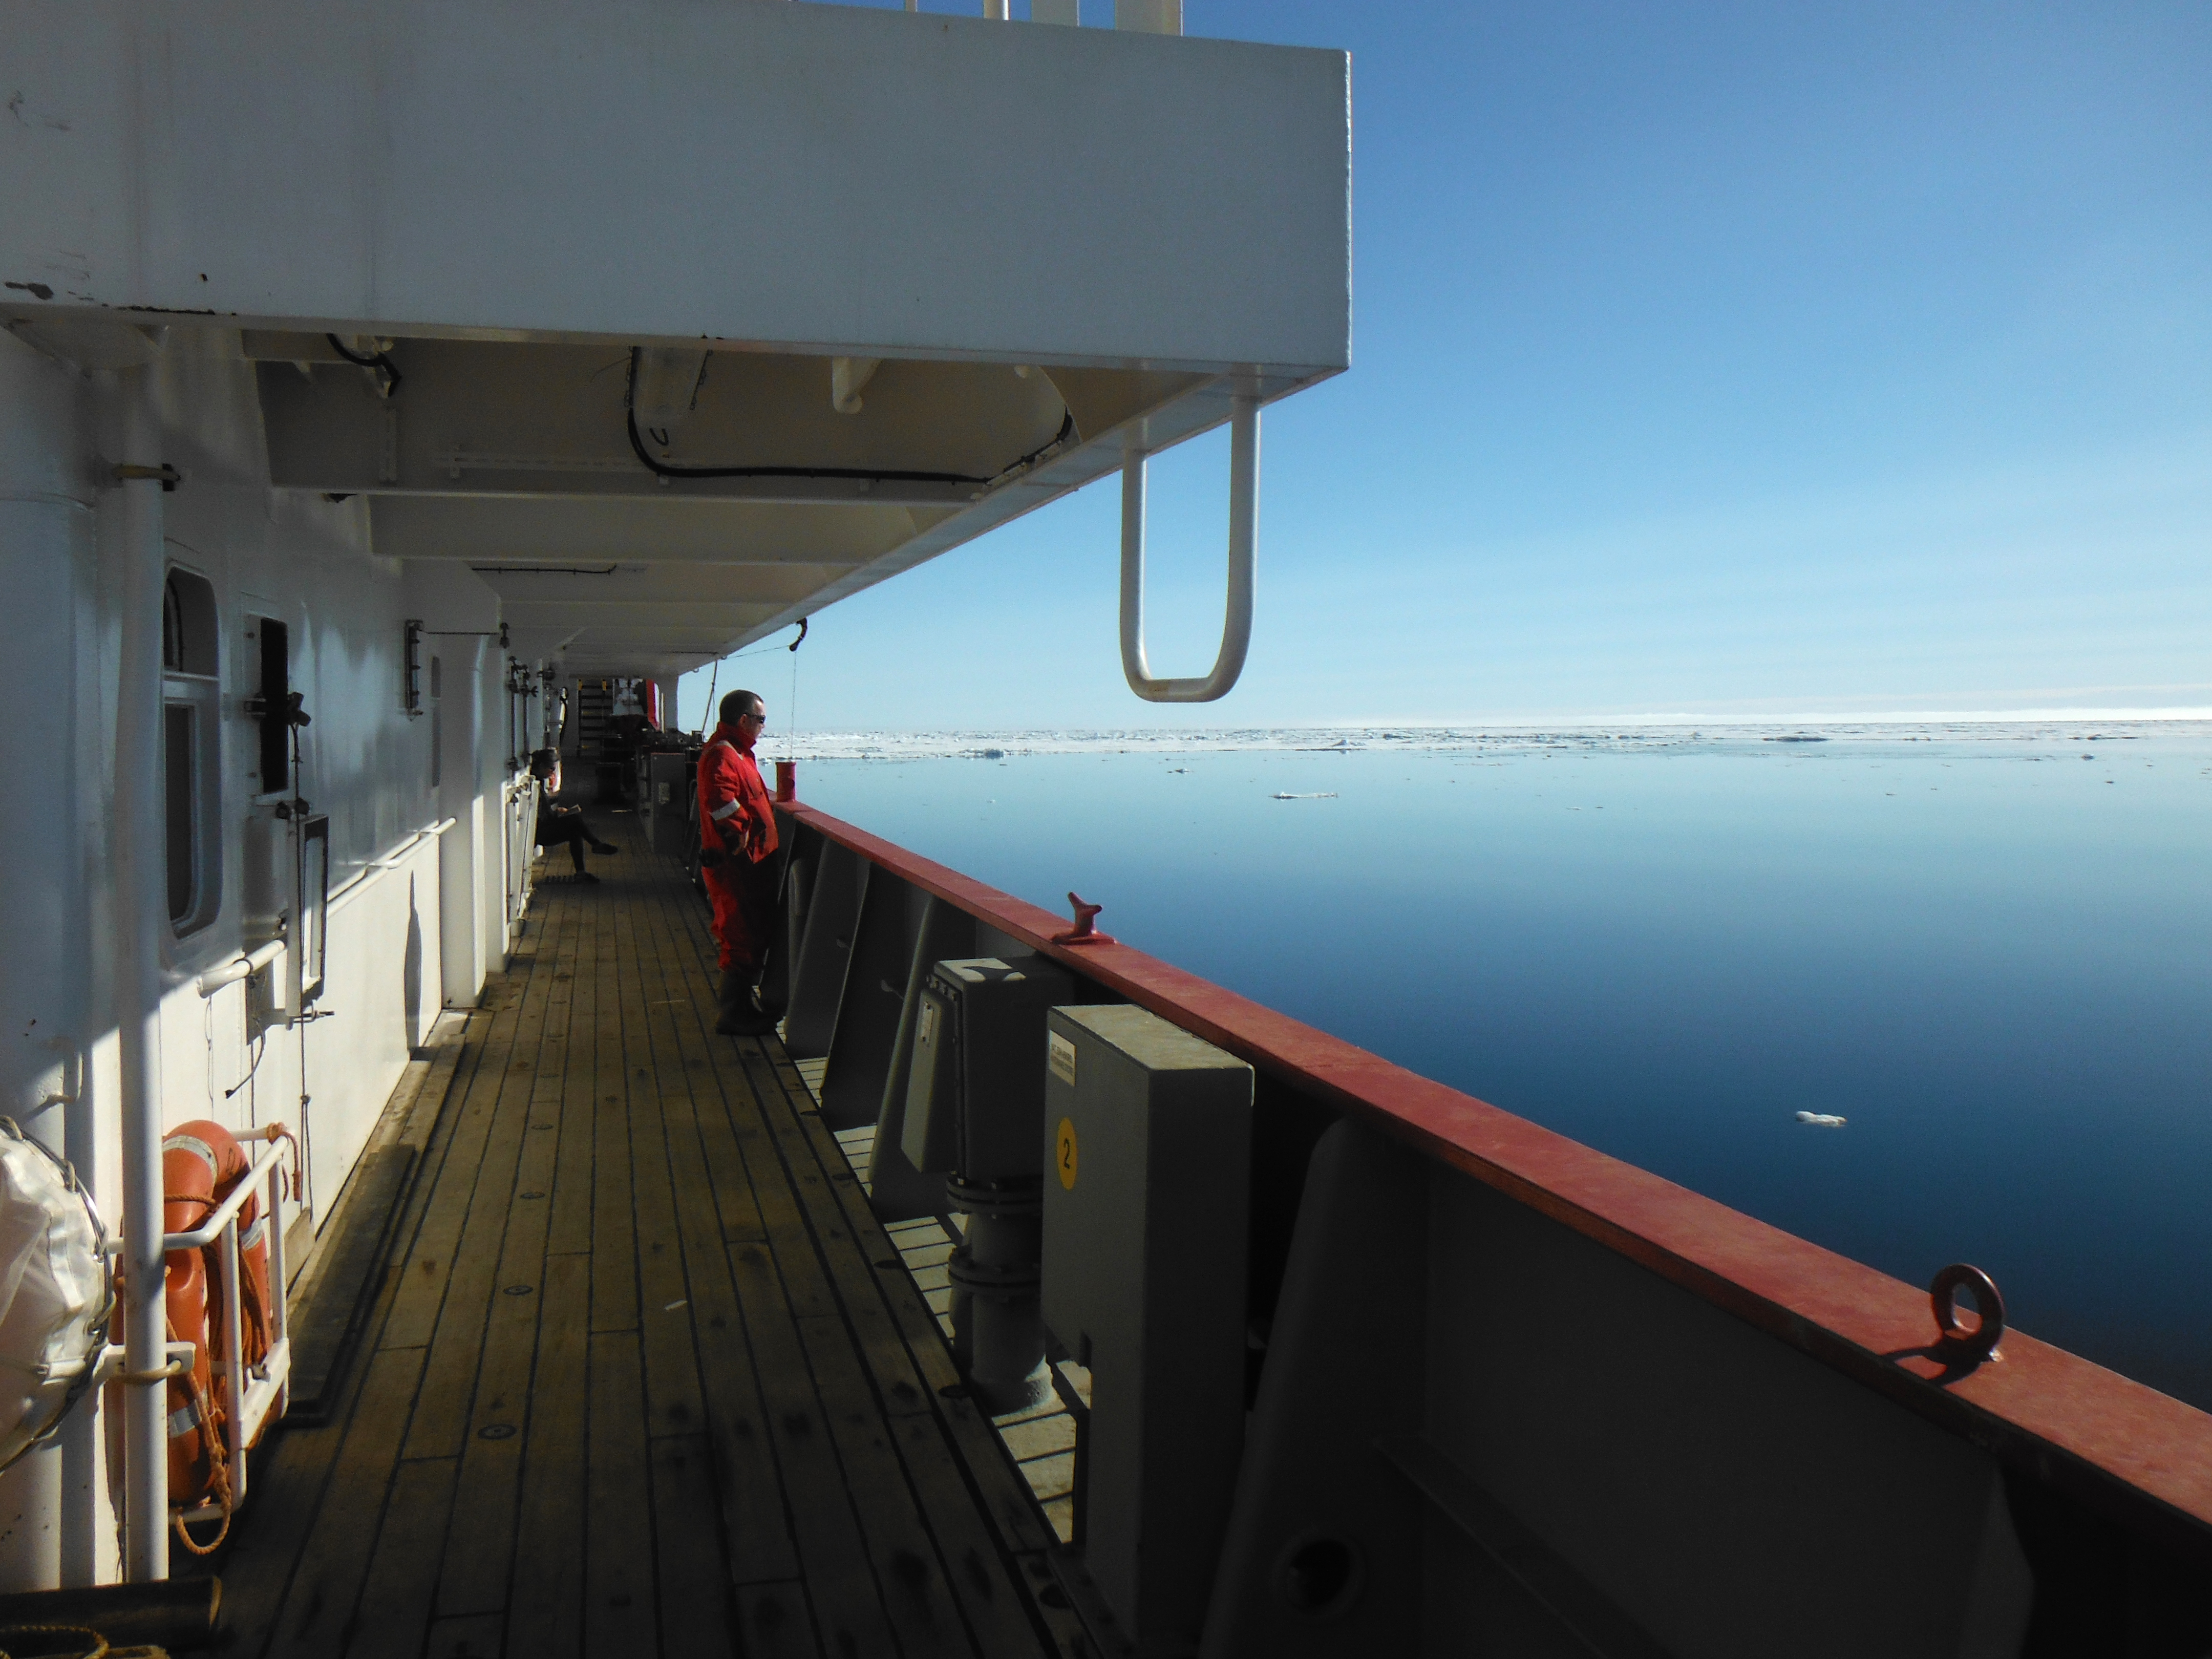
x: 1716, y: 360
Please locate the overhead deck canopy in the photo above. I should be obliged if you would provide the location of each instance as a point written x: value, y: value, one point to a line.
x: 678, y: 323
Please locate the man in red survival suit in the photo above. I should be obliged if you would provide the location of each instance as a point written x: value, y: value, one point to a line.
x: 736, y: 837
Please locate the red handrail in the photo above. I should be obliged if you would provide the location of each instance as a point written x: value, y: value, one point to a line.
x: 2137, y: 1454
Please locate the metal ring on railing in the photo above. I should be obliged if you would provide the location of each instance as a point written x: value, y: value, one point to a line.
x: 1943, y: 1296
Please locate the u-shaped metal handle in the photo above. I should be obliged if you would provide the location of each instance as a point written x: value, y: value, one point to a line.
x: 1243, y: 560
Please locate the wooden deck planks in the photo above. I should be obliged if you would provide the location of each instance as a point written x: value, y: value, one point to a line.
x: 480, y: 1550
x: 546, y: 1597
x: 317, y: 1615
x: 917, y: 1598
x: 468, y: 1223
x: 911, y: 1573
x: 413, y: 1561
x: 853, y: 1269
x: 571, y: 1202
x: 824, y: 1543
x: 394, y: 1615
x: 479, y: 1554
x: 620, y: 1613
x: 614, y: 1232
x: 695, y: 1595
x: 279, y: 1535
x: 639, y: 1379
x: 705, y: 1191
x: 315, y: 1514
x: 673, y: 1404
x: 773, y: 1623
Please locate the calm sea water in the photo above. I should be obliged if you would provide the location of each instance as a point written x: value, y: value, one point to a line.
x: 1987, y: 949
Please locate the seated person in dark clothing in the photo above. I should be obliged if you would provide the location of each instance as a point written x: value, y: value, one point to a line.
x: 560, y: 825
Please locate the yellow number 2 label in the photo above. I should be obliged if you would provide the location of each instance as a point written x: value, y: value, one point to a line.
x: 1063, y: 1154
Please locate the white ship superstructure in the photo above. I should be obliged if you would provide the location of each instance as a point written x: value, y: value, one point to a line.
x: 389, y: 392
x: 895, y: 279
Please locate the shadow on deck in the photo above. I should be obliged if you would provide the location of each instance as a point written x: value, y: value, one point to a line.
x: 642, y: 1374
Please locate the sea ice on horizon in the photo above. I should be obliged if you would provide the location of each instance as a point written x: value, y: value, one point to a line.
x: 1491, y: 739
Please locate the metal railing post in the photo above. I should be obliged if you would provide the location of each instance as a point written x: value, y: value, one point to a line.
x: 280, y: 1316
x: 249, y: 1404
x: 234, y: 1367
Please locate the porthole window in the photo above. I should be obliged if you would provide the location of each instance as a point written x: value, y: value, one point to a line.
x: 192, y: 797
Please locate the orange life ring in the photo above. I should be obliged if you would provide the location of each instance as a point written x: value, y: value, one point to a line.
x: 202, y: 1164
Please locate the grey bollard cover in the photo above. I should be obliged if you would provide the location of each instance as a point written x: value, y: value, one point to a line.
x: 976, y: 1076
x: 1146, y: 1197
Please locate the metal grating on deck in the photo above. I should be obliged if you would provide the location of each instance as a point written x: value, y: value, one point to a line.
x: 644, y: 1375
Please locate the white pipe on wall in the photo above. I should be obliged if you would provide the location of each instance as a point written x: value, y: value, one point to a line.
x: 140, y: 910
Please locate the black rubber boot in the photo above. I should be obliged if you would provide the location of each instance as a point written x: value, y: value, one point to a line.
x: 741, y: 1017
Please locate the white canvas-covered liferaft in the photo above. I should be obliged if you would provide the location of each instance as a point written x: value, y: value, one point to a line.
x: 57, y: 1291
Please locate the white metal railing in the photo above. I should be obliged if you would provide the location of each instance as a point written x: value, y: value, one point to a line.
x: 1145, y: 16
x: 521, y: 827
x: 351, y: 888
x: 250, y: 1394
x: 248, y: 965
x: 244, y: 967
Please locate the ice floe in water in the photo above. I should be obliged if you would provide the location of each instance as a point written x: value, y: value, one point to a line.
x: 1822, y: 1120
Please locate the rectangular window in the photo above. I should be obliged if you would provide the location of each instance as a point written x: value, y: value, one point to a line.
x: 274, y: 768
x: 179, y: 773
x: 309, y: 938
x: 188, y: 625
x: 191, y: 794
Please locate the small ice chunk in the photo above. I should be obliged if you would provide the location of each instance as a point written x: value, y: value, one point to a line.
x: 1822, y: 1120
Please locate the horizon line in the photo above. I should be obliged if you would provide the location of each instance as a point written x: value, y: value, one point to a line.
x: 1431, y: 723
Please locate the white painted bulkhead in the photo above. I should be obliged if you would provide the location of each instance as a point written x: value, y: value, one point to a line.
x: 415, y: 920
x: 388, y: 291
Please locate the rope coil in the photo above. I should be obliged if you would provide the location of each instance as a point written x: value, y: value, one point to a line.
x: 218, y: 1455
